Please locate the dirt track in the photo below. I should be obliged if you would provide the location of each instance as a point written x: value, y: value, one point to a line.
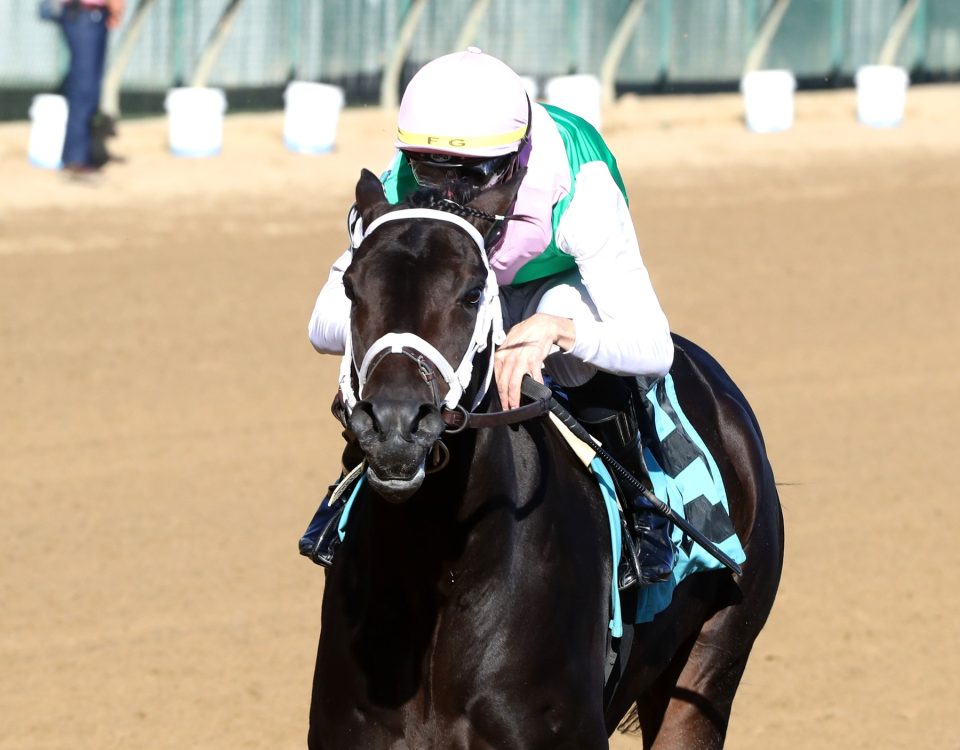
x: 166, y: 433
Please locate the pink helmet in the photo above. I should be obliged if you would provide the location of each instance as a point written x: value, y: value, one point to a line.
x: 467, y: 104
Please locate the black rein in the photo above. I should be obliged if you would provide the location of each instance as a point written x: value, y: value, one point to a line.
x: 459, y: 419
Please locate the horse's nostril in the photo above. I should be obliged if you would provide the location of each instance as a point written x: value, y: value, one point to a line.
x: 400, y: 419
x: 428, y: 420
x: 364, y: 419
x: 418, y: 418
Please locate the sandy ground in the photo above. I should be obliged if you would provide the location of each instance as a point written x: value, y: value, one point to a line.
x: 166, y: 432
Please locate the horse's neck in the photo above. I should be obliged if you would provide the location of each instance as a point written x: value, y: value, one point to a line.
x: 511, y: 513
x: 492, y: 543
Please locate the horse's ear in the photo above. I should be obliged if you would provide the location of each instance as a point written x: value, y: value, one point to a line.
x: 371, y: 200
x: 497, y: 200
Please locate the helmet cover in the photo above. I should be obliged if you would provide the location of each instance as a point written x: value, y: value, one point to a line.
x: 464, y: 104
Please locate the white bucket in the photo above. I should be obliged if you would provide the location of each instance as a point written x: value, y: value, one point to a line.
x: 310, y: 117
x: 48, y: 129
x: 195, y: 120
x: 768, y: 100
x: 881, y: 95
x: 579, y: 94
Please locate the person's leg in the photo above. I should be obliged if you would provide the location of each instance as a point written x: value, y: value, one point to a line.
x: 86, y: 35
x: 606, y: 408
x: 603, y: 403
x: 321, y: 538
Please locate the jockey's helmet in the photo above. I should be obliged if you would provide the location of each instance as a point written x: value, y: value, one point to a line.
x: 463, y: 118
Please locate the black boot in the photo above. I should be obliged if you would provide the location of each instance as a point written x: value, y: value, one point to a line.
x: 322, y: 538
x: 604, y: 405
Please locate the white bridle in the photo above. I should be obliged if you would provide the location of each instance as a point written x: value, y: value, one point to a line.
x: 489, y: 323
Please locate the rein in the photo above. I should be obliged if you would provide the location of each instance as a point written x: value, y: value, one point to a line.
x: 459, y: 419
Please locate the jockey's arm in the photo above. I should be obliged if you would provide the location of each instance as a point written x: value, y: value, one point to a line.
x: 331, y: 313
x: 632, y: 336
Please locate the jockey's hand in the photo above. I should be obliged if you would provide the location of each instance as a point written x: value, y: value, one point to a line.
x: 526, y: 347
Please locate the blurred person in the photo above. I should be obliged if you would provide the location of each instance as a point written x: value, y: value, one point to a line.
x: 86, y: 25
x: 577, y: 299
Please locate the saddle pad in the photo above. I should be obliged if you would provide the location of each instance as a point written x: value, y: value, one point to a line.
x: 686, y: 477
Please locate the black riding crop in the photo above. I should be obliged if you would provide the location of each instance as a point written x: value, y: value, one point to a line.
x: 539, y: 392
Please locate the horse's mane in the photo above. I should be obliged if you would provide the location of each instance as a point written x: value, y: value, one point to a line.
x: 455, y: 201
x: 426, y: 197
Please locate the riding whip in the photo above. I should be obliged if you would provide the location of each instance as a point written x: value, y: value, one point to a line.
x: 537, y: 391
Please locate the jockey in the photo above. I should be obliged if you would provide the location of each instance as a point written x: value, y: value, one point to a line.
x: 577, y: 300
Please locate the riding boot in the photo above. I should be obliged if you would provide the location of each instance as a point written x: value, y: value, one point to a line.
x: 604, y: 405
x: 322, y: 537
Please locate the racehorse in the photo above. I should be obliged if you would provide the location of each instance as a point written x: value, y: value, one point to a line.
x: 469, y: 602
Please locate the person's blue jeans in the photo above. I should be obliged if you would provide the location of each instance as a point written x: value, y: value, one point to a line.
x: 86, y: 34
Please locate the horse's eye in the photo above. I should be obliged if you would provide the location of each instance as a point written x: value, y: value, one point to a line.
x: 473, y: 297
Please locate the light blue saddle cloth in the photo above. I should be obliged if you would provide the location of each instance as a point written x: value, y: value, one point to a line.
x: 686, y: 477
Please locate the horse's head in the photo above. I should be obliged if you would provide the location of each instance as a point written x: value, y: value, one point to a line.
x: 423, y: 302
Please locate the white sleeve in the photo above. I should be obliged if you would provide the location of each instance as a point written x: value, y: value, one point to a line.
x: 632, y: 336
x: 331, y: 313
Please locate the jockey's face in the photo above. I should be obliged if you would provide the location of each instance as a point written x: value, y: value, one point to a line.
x: 445, y: 171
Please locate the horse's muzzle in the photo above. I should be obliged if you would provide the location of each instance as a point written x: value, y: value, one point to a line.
x: 395, y: 490
x: 396, y: 437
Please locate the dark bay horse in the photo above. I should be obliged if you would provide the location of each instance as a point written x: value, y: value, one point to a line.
x: 468, y: 606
